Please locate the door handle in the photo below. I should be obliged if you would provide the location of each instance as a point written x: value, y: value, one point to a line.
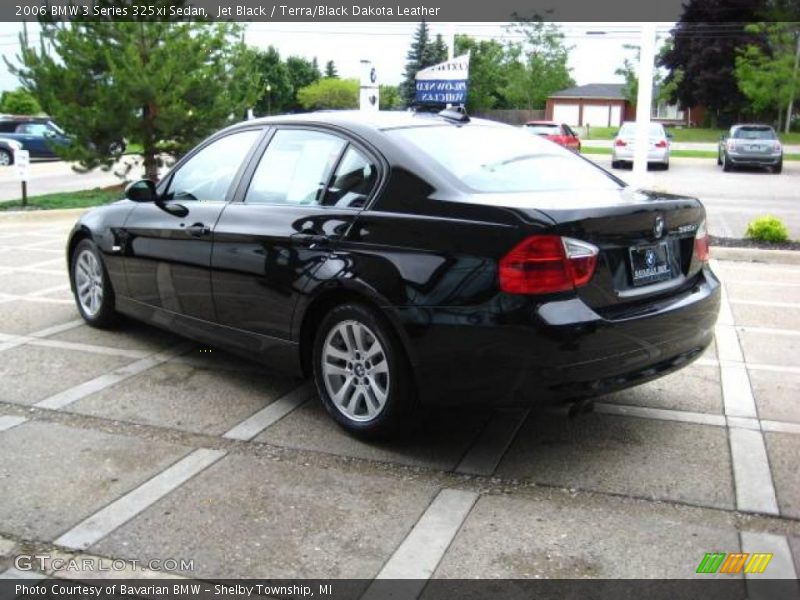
x: 198, y: 230
x: 310, y: 239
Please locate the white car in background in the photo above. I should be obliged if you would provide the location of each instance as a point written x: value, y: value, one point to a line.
x: 622, y: 150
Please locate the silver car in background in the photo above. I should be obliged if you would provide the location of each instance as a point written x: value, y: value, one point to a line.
x: 622, y: 150
x: 750, y: 145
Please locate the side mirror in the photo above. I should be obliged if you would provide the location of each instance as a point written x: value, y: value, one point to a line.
x: 143, y: 190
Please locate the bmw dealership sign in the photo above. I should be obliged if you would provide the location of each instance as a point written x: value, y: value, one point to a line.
x: 445, y: 83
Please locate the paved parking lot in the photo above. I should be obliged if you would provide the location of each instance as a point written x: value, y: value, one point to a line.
x: 138, y: 445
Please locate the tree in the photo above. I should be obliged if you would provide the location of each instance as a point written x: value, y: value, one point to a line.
x: 488, y: 73
x: 630, y: 72
x: 330, y: 70
x: 162, y: 85
x: 329, y: 93
x: 301, y: 73
x: 768, y: 75
x: 703, y: 52
x: 389, y: 97
x: 19, y: 102
x: 274, y: 73
x: 423, y: 53
x: 537, y: 65
x: 435, y: 52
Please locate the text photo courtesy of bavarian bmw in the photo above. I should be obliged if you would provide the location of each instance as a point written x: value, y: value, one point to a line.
x: 406, y: 259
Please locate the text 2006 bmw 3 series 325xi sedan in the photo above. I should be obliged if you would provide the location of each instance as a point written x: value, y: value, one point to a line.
x: 404, y: 259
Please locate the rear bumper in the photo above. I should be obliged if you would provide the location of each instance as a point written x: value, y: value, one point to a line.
x: 753, y: 160
x: 655, y: 155
x: 518, y: 351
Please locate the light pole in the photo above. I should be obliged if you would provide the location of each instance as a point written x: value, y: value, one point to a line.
x: 644, y: 101
x: 269, y: 99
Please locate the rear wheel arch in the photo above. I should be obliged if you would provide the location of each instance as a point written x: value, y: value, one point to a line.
x: 326, y: 301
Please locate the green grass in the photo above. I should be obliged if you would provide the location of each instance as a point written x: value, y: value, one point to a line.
x: 81, y: 199
x: 133, y: 149
x: 680, y: 153
x: 699, y: 135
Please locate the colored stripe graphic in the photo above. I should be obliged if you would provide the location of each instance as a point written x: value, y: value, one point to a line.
x: 720, y: 562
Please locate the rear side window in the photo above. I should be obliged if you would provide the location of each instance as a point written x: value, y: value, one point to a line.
x: 353, y: 181
x: 503, y: 159
x: 655, y: 130
x: 543, y: 129
x: 294, y: 168
x: 754, y: 133
x: 207, y: 175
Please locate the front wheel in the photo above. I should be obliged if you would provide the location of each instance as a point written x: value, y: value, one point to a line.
x: 361, y: 372
x: 6, y: 158
x: 92, y: 287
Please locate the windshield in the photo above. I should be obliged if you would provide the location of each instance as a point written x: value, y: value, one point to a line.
x: 543, y: 129
x: 500, y: 159
x: 754, y: 133
x: 629, y: 130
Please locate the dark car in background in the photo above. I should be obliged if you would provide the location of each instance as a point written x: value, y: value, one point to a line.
x: 750, y: 145
x: 40, y: 136
x: 404, y: 259
x: 560, y: 133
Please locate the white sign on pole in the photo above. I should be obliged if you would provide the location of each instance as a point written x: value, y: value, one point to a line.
x: 22, y: 160
x: 369, y: 98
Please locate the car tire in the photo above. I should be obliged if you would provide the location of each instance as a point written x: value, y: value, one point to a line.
x: 726, y: 163
x: 665, y: 166
x: 719, y: 159
x: 6, y: 158
x: 361, y: 372
x: 615, y: 164
x: 777, y: 169
x: 116, y: 148
x: 91, y: 286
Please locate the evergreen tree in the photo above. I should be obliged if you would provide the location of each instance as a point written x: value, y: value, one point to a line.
x: 416, y: 59
x: 165, y: 85
x: 330, y: 70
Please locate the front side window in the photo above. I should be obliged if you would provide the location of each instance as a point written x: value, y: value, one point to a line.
x: 207, y: 176
x: 295, y: 168
x: 503, y: 159
x: 353, y: 181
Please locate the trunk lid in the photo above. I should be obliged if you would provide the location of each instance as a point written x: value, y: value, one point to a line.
x: 624, y: 225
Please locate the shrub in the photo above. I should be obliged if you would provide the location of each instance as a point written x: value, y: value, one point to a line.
x: 767, y: 229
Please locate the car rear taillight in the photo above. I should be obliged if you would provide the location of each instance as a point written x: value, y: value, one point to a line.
x: 731, y: 145
x: 544, y: 264
x: 777, y: 147
x: 620, y: 142
x: 661, y: 144
x: 701, y: 249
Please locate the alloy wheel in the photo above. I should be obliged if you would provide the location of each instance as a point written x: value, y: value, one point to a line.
x: 5, y: 159
x: 89, y: 282
x: 355, y: 369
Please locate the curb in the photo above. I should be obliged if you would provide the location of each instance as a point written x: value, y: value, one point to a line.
x: 786, y: 257
x: 40, y: 216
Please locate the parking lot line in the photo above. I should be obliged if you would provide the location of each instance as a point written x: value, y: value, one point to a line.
x: 767, y: 303
x: 781, y: 566
x: 46, y: 343
x: 769, y: 330
x: 737, y: 395
x: 55, y: 329
x: 728, y: 343
x: 75, y: 393
x: 11, y: 297
x: 271, y: 414
x: 9, y: 421
x: 758, y: 282
x: 755, y: 491
x: 106, y: 520
x: 421, y: 551
x: 485, y: 454
x: 660, y: 414
x: 780, y: 427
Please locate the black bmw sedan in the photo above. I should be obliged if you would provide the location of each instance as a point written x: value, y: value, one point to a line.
x: 404, y: 259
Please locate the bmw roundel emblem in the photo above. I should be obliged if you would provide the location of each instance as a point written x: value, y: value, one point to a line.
x: 650, y: 258
x: 658, y: 227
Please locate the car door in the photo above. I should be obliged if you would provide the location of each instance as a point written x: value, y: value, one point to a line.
x: 31, y: 136
x: 298, y: 201
x: 167, y: 245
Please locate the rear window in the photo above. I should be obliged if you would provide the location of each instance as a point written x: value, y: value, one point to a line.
x: 500, y: 159
x: 543, y: 129
x: 629, y: 130
x: 754, y: 133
